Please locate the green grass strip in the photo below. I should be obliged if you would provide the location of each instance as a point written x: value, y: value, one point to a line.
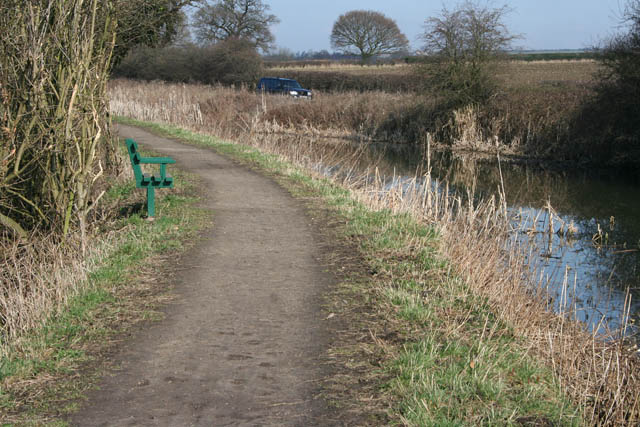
x: 114, y: 296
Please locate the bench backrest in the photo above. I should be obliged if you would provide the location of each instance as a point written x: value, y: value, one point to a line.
x: 134, y: 156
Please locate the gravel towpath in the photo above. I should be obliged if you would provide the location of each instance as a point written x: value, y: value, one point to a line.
x: 243, y: 341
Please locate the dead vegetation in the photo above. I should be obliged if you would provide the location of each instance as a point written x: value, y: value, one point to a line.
x: 39, y: 276
x: 37, y: 279
x: 599, y: 373
x: 524, y: 122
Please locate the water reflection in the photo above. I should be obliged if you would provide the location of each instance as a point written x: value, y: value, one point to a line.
x: 585, y: 225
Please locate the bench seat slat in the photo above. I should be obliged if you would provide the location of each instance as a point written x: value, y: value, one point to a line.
x: 156, y: 160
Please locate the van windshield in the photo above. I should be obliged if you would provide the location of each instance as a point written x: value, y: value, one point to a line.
x: 291, y: 84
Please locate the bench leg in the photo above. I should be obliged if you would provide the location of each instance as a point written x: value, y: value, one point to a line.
x: 151, y: 201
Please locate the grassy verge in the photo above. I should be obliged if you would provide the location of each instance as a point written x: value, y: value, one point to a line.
x: 44, y: 373
x: 432, y: 351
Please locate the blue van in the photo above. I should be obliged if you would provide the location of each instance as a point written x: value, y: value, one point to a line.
x: 284, y: 86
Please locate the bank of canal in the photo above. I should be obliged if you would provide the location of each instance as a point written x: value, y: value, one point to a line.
x: 585, y: 225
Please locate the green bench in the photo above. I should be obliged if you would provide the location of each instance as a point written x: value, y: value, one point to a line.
x: 146, y: 180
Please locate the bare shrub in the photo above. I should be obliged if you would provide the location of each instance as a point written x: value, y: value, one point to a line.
x: 464, y: 44
x: 54, y: 60
x: 608, y: 126
x: 231, y: 62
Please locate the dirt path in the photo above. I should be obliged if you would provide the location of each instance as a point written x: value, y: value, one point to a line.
x: 243, y: 342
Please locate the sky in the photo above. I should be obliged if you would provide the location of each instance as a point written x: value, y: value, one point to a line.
x: 544, y: 24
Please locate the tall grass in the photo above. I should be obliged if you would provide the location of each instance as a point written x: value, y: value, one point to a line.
x: 36, y: 280
x: 232, y: 112
x: 535, y: 112
x: 534, y: 122
x: 599, y: 373
x: 39, y: 276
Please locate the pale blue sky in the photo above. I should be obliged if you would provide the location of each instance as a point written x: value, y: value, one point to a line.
x: 544, y: 24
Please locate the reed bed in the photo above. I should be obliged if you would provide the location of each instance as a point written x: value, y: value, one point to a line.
x: 231, y: 112
x: 39, y: 275
x: 600, y: 373
x: 522, y: 122
x: 36, y: 280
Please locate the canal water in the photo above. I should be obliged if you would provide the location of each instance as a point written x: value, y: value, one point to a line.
x: 585, y: 225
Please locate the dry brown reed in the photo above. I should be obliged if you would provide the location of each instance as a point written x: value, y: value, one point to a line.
x: 36, y: 280
x: 533, y: 113
x: 39, y: 275
x: 524, y: 122
x: 600, y: 374
x: 231, y: 112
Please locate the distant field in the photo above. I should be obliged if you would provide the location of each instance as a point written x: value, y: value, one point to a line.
x: 354, y: 64
x: 514, y: 74
x: 522, y: 73
x: 553, y: 56
x: 342, y: 67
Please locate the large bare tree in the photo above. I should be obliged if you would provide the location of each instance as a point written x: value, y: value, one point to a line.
x: 462, y: 44
x: 367, y: 33
x: 235, y: 19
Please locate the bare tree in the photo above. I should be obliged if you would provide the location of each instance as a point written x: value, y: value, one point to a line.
x: 235, y: 19
x: 620, y: 55
x: 462, y: 44
x: 609, y: 122
x: 183, y: 34
x: 367, y: 33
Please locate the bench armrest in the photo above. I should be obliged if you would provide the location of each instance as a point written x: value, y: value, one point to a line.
x: 157, y: 160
